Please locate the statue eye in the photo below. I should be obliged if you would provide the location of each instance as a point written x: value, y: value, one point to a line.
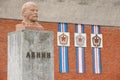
x: 32, y: 9
x: 36, y: 10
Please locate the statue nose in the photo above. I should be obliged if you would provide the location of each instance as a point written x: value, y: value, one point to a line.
x: 35, y: 12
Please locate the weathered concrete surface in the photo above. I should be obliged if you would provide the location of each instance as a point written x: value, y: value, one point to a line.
x: 101, y: 12
x: 26, y: 59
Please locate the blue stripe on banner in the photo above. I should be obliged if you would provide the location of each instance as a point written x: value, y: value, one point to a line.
x: 83, y: 56
x: 100, y: 60
x: 76, y: 28
x: 60, y: 57
x: 93, y: 60
x: 66, y: 27
x: 98, y: 29
x: 66, y: 58
x: 83, y: 60
x: 82, y: 26
x: 77, y: 59
x: 59, y: 27
x: 93, y: 29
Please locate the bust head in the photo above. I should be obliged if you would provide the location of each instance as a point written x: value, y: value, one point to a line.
x: 30, y: 16
x: 30, y: 12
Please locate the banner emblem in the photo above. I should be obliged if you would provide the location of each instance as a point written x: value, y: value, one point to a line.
x: 96, y: 40
x: 63, y: 38
x: 80, y: 39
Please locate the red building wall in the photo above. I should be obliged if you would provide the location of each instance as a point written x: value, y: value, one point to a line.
x: 110, y: 53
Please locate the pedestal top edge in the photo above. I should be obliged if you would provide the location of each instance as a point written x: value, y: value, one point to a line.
x: 44, y: 31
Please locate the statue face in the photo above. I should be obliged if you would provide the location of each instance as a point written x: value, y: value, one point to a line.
x: 31, y: 13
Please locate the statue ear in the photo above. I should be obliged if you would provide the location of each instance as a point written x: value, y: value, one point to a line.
x: 24, y: 14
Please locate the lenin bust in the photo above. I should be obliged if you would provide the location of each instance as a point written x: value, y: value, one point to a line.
x: 30, y: 17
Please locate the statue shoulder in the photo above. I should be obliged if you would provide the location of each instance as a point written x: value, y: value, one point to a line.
x: 40, y: 26
x: 36, y: 26
x: 20, y: 27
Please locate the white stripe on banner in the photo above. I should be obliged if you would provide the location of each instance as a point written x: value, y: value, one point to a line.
x: 80, y: 64
x: 96, y: 58
x: 63, y: 50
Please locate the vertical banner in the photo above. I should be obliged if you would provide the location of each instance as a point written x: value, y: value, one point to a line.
x: 63, y: 41
x: 80, y: 43
x: 96, y: 44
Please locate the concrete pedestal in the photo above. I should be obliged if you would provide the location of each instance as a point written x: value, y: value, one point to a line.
x: 30, y: 55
